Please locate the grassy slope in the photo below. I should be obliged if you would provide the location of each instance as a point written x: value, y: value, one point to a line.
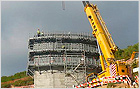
x: 18, y: 79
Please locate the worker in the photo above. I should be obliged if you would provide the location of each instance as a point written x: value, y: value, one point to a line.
x: 52, y: 60
x: 82, y: 60
x: 38, y: 32
x: 42, y: 33
x: 134, y: 84
x: 63, y: 47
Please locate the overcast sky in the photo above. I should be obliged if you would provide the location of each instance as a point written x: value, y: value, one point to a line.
x: 18, y: 19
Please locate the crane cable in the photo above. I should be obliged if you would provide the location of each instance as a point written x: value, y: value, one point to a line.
x: 63, y: 5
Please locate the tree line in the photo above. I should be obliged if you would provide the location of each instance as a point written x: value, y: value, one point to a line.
x: 127, y: 52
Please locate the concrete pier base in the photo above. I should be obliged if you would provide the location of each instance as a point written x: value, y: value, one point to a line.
x: 54, y: 79
x: 49, y: 79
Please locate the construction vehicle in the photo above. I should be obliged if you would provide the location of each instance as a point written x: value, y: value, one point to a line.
x: 105, y: 42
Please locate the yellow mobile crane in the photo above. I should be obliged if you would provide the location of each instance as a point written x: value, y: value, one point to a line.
x: 106, y: 44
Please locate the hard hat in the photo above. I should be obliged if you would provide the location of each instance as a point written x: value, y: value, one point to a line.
x: 63, y: 46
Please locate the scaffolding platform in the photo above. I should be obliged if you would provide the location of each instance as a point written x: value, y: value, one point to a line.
x: 63, y: 52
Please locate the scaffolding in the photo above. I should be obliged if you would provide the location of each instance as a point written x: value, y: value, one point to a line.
x: 70, y: 53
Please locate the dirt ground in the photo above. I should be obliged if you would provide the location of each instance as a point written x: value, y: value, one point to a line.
x: 25, y: 78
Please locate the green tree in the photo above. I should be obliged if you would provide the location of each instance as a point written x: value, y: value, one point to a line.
x: 126, y: 53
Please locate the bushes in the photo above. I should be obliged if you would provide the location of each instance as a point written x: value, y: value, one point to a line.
x: 5, y: 85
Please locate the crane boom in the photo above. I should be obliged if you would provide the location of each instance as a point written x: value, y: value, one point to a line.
x: 108, y: 36
x: 105, y: 41
x: 100, y: 31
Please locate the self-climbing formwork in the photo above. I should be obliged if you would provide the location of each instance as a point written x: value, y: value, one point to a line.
x: 72, y: 54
